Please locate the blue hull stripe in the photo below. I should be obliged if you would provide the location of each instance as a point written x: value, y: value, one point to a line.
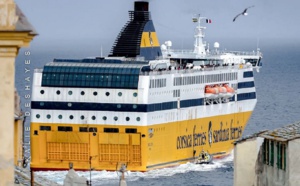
x: 127, y: 107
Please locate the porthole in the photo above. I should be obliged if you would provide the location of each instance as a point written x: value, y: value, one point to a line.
x: 127, y: 118
x: 138, y: 119
x: 93, y: 117
x: 134, y: 106
x: 48, y: 116
x: 107, y: 93
x: 120, y: 94
x: 116, y: 118
x: 58, y: 92
x: 69, y: 104
x: 37, y: 116
x: 71, y: 117
x: 82, y: 117
x: 95, y: 93
x: 135, y: 94
x: 59, y: 116
x: 82, y: 93
x: 70, y: 92
x: 118, y: 106
x: 104, y: 118
x: 42, y: 103
x: 42, y: 91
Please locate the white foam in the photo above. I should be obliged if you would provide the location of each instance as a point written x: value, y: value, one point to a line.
x: 104, y: 177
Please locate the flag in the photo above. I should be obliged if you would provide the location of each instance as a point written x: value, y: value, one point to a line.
x: 208, y: 20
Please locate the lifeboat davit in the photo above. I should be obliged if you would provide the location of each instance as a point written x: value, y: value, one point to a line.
x: 229, y: 91
x: 211, y: 92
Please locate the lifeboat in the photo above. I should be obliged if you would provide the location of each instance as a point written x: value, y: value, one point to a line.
x: 222, y: 90
x: 211, y: 92
x: 229, y: 91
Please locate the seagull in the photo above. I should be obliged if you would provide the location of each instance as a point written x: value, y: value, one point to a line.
x: 243, y: 13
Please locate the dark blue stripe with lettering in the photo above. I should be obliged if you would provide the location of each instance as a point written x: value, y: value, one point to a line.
x: 114, y: 107
x: 127, y: 107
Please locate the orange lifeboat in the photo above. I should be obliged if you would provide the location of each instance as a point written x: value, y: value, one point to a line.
x: 229, y: 90
x: 222, y: 90
x: 211, y: 92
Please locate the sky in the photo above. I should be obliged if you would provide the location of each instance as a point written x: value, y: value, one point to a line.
x: 94, y: 24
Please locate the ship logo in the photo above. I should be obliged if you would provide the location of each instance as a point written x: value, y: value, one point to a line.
x: 210, y: 133
x: 150, y: 132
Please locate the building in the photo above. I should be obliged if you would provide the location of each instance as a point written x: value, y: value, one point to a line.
x: 15, y: 32
x: 18, y: 133
x: 269, y: 158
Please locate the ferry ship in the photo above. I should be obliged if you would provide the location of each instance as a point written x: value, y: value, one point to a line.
x: 145, y: 105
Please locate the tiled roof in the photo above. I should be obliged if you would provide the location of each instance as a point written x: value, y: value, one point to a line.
x: 245, y: 138
x: 285, y: 133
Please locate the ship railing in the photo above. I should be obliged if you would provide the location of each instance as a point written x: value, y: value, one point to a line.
x: 214, y: 52
x: 240, y: 53
x: 188, y: 71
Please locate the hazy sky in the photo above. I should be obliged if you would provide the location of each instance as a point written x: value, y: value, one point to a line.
x: 96, y: 23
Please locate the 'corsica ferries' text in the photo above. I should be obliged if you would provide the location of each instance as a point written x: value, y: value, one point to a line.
x: 186, y: 141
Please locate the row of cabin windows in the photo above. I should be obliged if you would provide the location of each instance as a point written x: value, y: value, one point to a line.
x: 87, y: 129
x: 53, y: 79
x: 246, y: 84
x: 158, y: 83
x: 269, y: 153
x: 48, y: 116
x: 248, y: 74
x: 245, y: 96
x: 70, y: 92
x: 189, y: 80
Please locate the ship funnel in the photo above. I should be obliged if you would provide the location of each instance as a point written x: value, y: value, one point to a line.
x: 141, y: 6
x: 138, y: 38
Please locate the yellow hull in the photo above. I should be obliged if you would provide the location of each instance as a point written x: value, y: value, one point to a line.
x: 150, y: 147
